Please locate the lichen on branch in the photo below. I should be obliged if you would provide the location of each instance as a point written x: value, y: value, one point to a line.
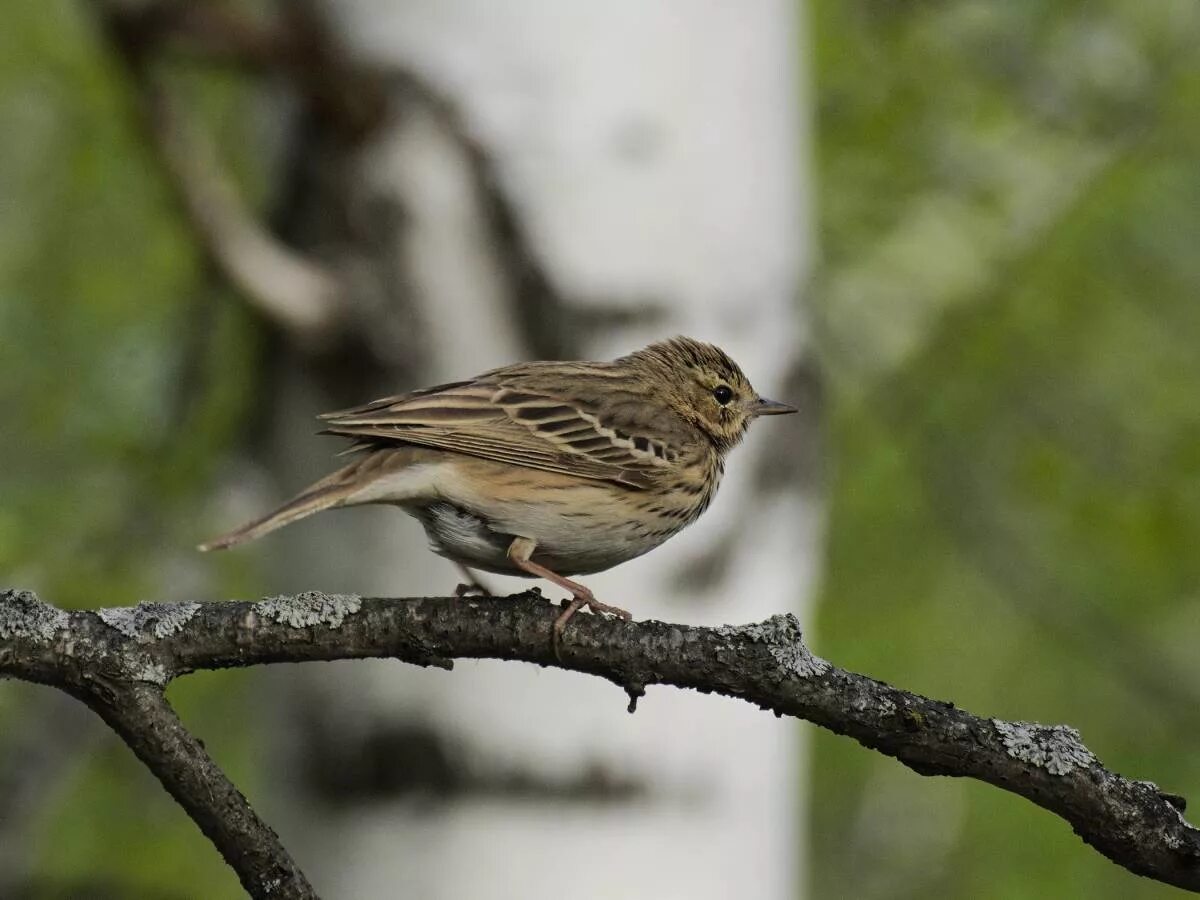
x: 118, y: 660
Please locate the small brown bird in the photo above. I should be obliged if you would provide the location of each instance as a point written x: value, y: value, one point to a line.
x: 545, y: 469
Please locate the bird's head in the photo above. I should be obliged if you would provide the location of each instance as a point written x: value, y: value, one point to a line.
x: 705, y: 387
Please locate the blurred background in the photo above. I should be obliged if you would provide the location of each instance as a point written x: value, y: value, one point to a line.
x: 960, y: 235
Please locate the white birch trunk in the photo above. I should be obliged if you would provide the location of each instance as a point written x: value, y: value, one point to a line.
x: 655, y: 151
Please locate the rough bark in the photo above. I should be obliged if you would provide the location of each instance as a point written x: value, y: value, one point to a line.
x: 118, y: 661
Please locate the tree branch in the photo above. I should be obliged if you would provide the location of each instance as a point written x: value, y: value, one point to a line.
x: 140, y: 714
x: 122, y: 658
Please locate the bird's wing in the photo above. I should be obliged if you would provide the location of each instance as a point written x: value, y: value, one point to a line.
x: 512, y: 418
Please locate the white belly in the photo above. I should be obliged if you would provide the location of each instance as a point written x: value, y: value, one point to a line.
x: 457, y: 534
x: 564, y: 545
x: 584, y: 530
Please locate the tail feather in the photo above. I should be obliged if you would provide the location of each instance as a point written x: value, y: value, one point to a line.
x: 342, y: 488
x: 331, y: 491
x: 313, y: 500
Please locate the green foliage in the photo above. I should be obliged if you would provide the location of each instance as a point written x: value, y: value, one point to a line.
x: 1009, y: 202
x: 124, y: 376
x: 1015, y: 426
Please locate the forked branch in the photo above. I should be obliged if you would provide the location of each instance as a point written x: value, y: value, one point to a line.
x: 119, y: 660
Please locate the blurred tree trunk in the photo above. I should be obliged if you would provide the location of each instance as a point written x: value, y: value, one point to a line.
x: 652, y: 157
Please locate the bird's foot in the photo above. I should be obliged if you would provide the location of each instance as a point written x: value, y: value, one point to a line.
x: 472, y: 587
x: 580, y: 600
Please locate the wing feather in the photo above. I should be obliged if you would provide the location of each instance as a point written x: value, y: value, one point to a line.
x: 501, y: 416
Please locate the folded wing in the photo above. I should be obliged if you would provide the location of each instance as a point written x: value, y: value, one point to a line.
x: 512, y: 420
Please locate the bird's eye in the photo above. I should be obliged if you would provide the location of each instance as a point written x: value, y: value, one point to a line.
x: 722, y: 393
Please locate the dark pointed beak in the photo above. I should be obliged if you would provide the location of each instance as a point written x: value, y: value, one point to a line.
x: 761, y: 407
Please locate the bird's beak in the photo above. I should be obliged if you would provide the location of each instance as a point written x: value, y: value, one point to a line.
x: 761, y: 407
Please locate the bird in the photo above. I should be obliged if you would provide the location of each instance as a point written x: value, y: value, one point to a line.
x: 544, y: 469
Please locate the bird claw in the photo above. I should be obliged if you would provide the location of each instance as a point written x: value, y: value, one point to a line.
x: 572, y: 607
x: 469, y: 590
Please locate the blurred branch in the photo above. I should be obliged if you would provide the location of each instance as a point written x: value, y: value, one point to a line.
x: 119, y: 661
x: 200, y: 30
x: 297, y: 44
x: 348, y: 100
x: 291, y: 290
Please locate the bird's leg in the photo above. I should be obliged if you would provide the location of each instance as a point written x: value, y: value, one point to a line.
x: 473, y: 585
x: 519, y: 552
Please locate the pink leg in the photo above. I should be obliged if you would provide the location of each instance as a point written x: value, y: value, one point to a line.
x: 520, y: 551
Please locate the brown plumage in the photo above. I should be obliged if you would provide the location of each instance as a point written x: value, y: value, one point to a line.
x: 545, y: 468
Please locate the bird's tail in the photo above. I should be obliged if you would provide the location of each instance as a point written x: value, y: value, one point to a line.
x: 332, y: 491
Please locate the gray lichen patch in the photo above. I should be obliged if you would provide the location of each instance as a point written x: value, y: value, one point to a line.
x: 783, y: 636
x: 151, y: 671
x: 310, y: 608
x: 23, y: 615
x: 1176, y: 803
x: 1056, y: 748
x: 131, y: 621
x: 864, y: 702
